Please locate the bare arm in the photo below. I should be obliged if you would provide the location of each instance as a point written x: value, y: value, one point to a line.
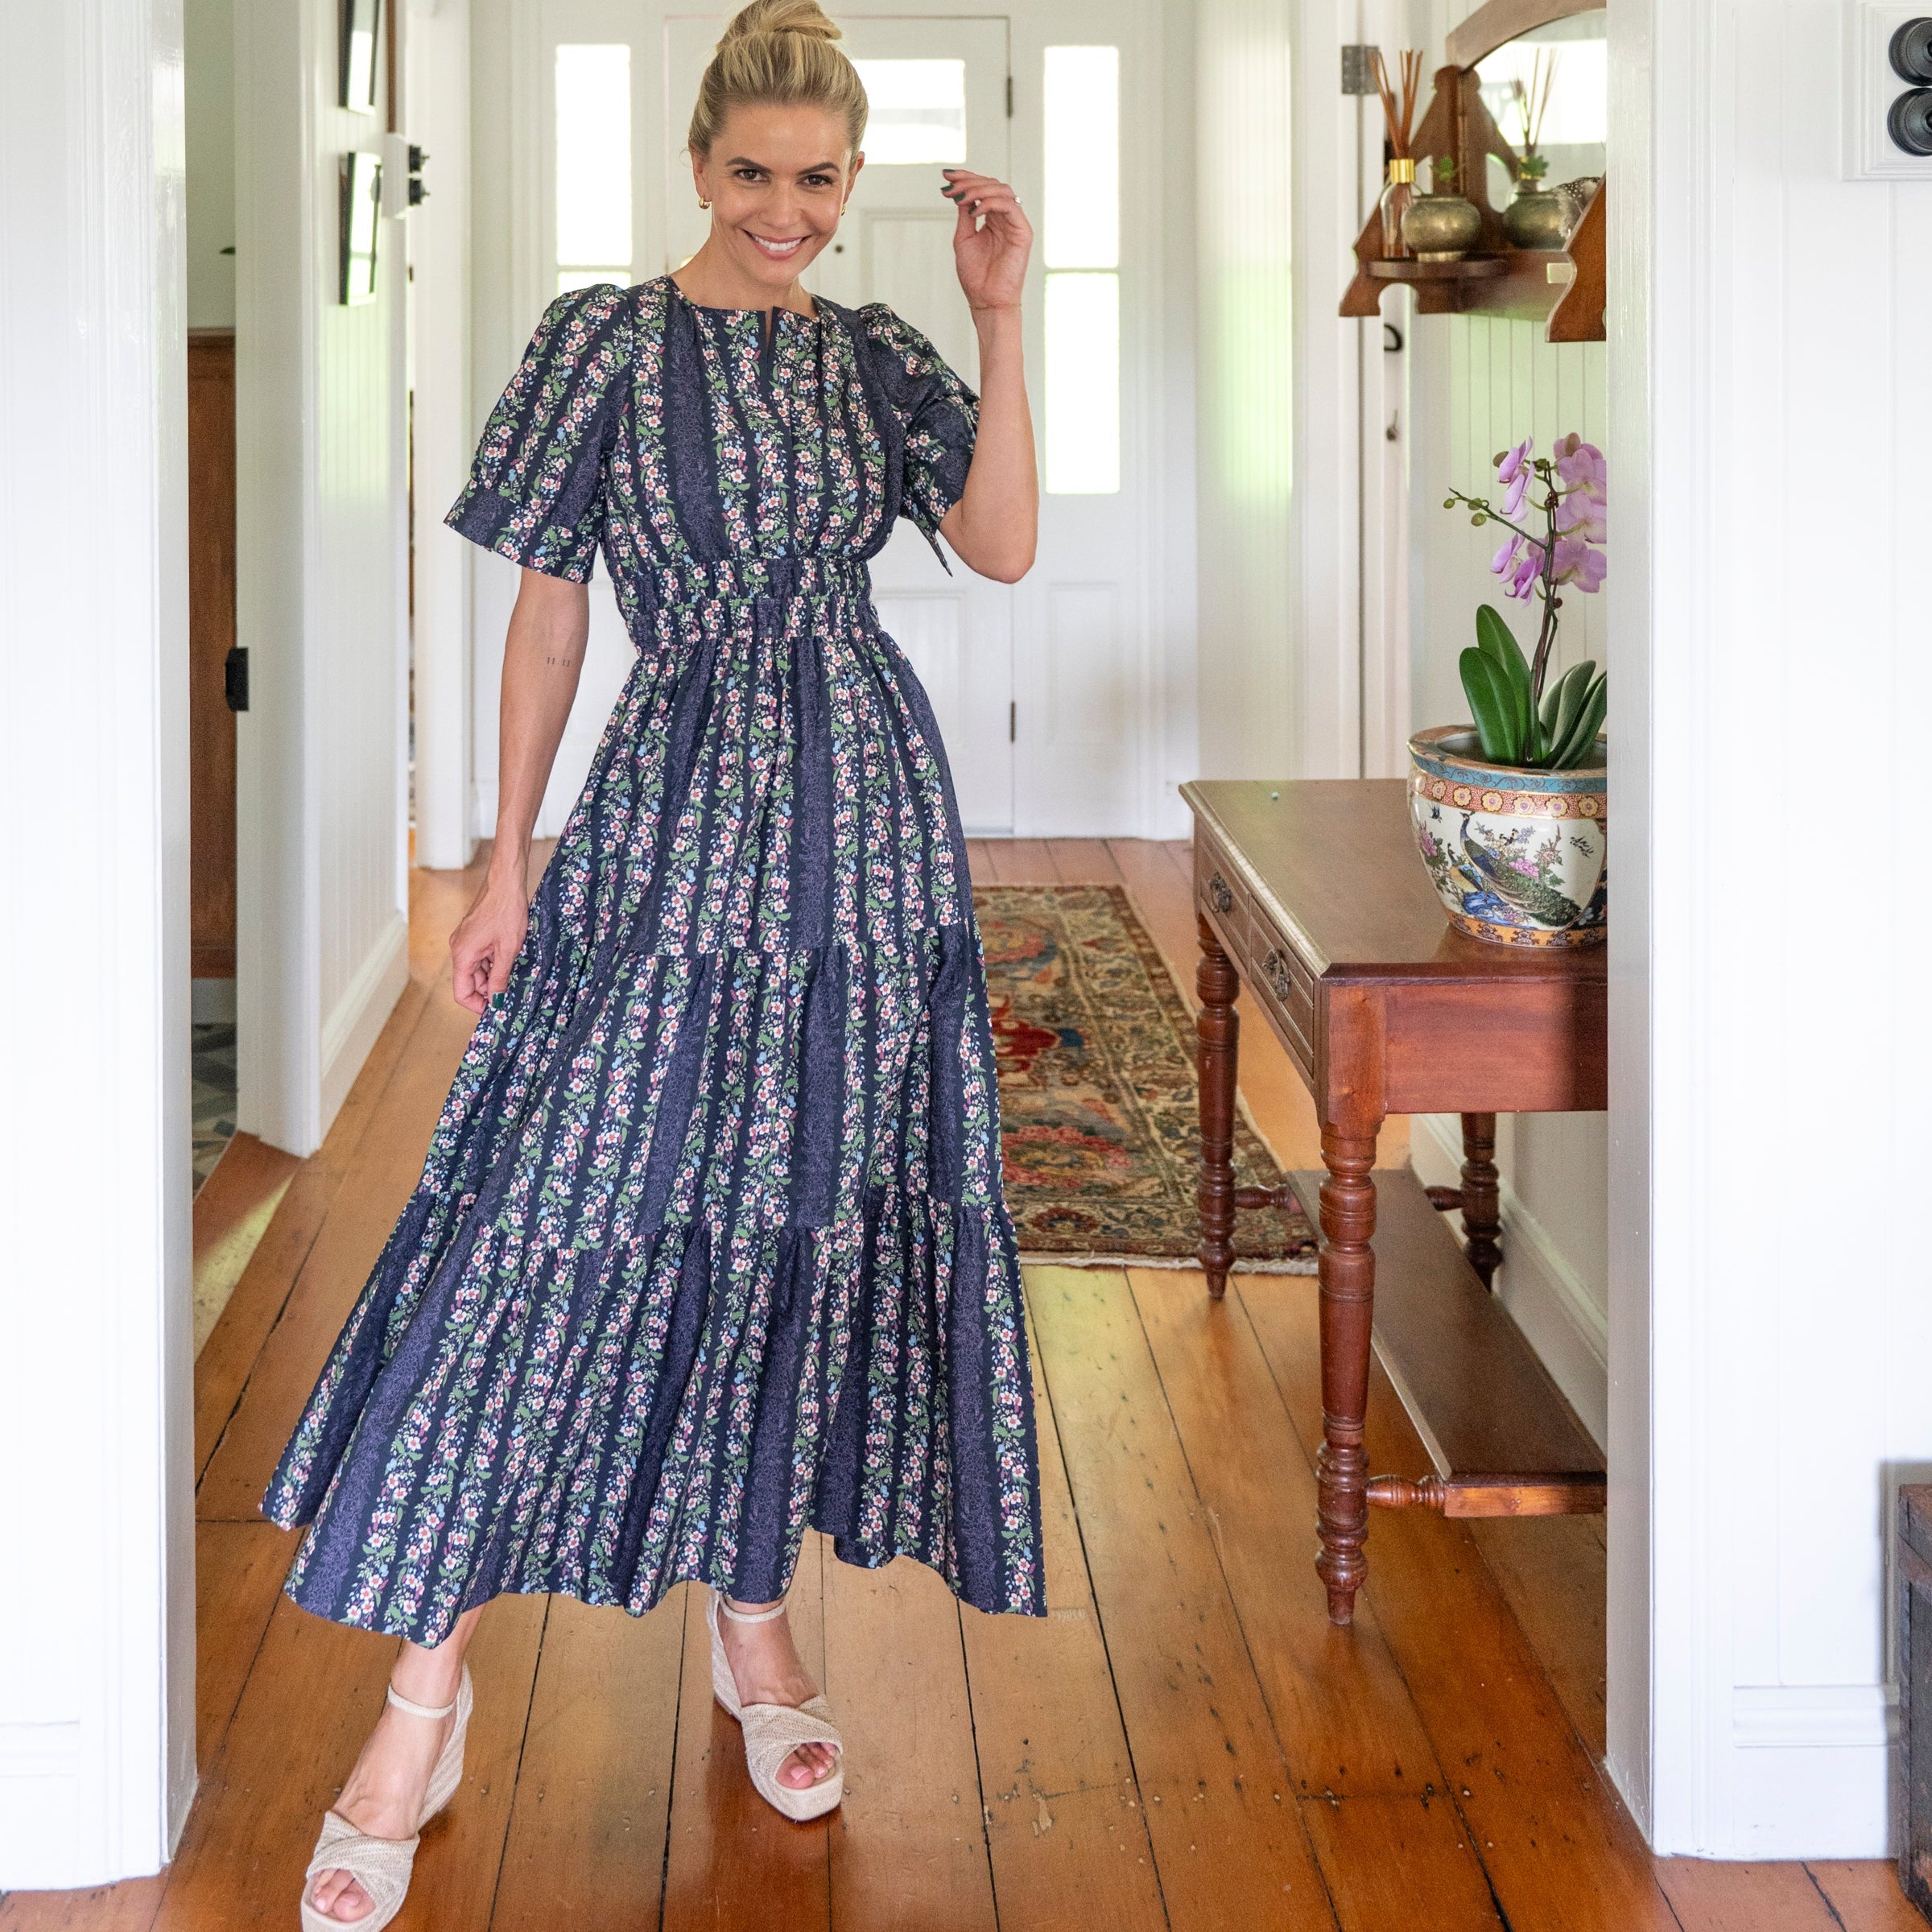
x: 542, y: 658
x: 995, y: 525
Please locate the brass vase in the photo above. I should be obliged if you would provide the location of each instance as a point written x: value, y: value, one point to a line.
x: 1442, y: 227
x: 1536, y: 217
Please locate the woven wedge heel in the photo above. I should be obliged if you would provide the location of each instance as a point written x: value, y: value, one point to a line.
x: 382, y: 1866
x: 774, y: 1731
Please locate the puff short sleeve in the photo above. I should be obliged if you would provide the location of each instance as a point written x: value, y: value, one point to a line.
x: 536, y: 489
x: 941, y: 416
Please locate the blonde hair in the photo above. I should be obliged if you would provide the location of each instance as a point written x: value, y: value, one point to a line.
x: 780, y: 52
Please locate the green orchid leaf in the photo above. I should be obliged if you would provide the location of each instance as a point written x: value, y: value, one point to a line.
x: 1580, y: 683
x: 1581, y: 739
x: 1492, y: 706
x: 1496, y: 642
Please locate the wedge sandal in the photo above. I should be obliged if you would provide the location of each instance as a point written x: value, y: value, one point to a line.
x: 774, y: 1731
x: 382, y: 1866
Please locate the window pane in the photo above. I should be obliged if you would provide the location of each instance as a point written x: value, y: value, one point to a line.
x: 1083, y: 103
x: 1083, y: 385
x: 569, y: 278
x: 593, y: 153
x: 919, y: 112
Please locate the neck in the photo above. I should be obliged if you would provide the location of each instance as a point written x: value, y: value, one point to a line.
x: 711, y: 280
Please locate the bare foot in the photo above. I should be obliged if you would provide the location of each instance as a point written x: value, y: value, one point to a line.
x: 385, y: 1794
x: 765, y: 1666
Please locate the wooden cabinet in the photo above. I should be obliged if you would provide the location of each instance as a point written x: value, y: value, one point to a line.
x: 211, y: 636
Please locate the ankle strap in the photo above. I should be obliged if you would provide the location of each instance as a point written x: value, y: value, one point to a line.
x: 402, y: 1704
x: 748, y: 1616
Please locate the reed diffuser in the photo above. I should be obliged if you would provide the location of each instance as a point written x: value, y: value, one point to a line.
x: 1400, y: 118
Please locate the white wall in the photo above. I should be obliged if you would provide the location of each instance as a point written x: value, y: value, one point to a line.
x: 320, y: 430
x: 1773, y: 685
x: 208, y: 30
x: 1479, y: 384
x: 97, y: 1618
x: 1250, y: 707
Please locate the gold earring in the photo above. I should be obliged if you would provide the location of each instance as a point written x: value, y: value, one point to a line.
x: 703, y: 203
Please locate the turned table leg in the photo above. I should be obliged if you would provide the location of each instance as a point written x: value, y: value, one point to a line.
x: 1347, y: 1274
x: 1217, y: 1032
x: 1482, y: 1216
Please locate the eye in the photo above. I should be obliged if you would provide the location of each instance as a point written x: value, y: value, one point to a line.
x: 817, y: 181
x: 749, y: 174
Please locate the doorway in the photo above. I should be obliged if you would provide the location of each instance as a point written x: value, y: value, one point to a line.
x: 1049, y: 693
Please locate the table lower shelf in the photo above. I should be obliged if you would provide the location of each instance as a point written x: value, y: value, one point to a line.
x: 1504, y: 1440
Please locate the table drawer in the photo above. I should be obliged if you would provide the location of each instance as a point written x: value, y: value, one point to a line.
x: 1218, y: 889
x: 1281, y: 976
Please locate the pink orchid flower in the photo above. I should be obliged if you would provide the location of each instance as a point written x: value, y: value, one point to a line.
x: 1576, y: 563
x: 1528, y: 570
x: 1581, y: 464
x: 1514, y: 461
x: 1505, y: 557
x: 1581, y: 514
x: 1519, y: 488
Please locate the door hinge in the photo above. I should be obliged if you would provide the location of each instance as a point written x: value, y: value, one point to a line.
x: 1358, y: 69
x: 1009, y: 97
x: 234, y: 678
x: 1013, y: 723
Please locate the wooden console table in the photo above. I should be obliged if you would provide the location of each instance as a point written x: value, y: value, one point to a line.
x: 1313, y: 895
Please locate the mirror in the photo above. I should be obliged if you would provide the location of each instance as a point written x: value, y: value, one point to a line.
x: 1547, y: 91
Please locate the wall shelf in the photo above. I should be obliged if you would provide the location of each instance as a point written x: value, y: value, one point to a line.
x: 1562, y: 287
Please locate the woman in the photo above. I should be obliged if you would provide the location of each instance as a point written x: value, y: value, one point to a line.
x: 710, y: 1245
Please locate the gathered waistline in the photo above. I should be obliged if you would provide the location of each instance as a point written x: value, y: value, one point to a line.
x: 754, y: 577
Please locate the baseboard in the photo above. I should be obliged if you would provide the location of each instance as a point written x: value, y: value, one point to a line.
x: 350, y: 1030
x: 1812, y: 1769
x: 1544, y: 1294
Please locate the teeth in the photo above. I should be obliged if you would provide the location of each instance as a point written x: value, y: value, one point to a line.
x: 780, y: 247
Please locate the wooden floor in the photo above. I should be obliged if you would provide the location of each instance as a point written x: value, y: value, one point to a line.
x: 1184, y: 1741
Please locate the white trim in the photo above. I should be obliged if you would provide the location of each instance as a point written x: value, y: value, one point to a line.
x: 1810, y: 1717
x: 41, y: 1751
x: 1548, y: 1299
x: 350, y: 1030
x: 440, y: 364
x: 96, y: 1705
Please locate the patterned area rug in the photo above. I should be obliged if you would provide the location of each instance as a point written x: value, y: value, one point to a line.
x: 1099, y: 1130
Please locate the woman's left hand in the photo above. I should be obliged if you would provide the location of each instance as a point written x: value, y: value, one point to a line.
x: 992, y: 242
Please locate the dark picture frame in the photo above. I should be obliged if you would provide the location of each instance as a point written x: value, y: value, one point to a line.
x: 362, y: 31
x: 361, y: 225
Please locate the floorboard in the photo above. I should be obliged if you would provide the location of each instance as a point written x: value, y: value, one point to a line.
x: 1864, y: 1893
x: 591, y: 1808
x: 733, y: 1862
x: 1220, y: 1807
x: 909, y: 1843
x: 232, y: 1211
x: 1064, y: 1822
x: 1552, y: 1834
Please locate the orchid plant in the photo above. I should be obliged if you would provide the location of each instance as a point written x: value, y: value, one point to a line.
x: 1516, y: 720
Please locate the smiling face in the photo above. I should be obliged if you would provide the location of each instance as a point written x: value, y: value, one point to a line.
x: 777, y: 178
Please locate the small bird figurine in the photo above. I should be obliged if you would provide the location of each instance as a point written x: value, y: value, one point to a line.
x: 1524, y: 893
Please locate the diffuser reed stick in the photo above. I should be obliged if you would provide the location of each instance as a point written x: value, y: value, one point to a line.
x: 1400, y: 115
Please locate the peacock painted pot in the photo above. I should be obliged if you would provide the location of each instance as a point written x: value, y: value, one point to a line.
x: 1517, y: 857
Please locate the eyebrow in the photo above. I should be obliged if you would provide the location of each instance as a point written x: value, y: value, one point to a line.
x: 765, y: 167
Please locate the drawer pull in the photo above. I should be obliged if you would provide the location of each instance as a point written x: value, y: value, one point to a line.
x: 1279, y: 977
x: 1218, y: 897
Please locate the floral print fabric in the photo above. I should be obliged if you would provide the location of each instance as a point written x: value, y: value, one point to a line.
x: 710, y: 1244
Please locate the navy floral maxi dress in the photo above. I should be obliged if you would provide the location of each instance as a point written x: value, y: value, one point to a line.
x: 710, y: 1244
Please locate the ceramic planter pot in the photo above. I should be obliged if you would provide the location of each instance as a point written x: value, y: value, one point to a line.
x: 1442, y: 227
x: 1517, y: 857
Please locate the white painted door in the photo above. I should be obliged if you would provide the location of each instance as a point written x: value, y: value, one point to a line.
x: 939, y: 99
x: 1048, y: 692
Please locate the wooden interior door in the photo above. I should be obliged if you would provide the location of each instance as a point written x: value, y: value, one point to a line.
x: 211, y: 636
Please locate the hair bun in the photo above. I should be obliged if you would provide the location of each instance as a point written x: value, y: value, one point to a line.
x: 805, y: 18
